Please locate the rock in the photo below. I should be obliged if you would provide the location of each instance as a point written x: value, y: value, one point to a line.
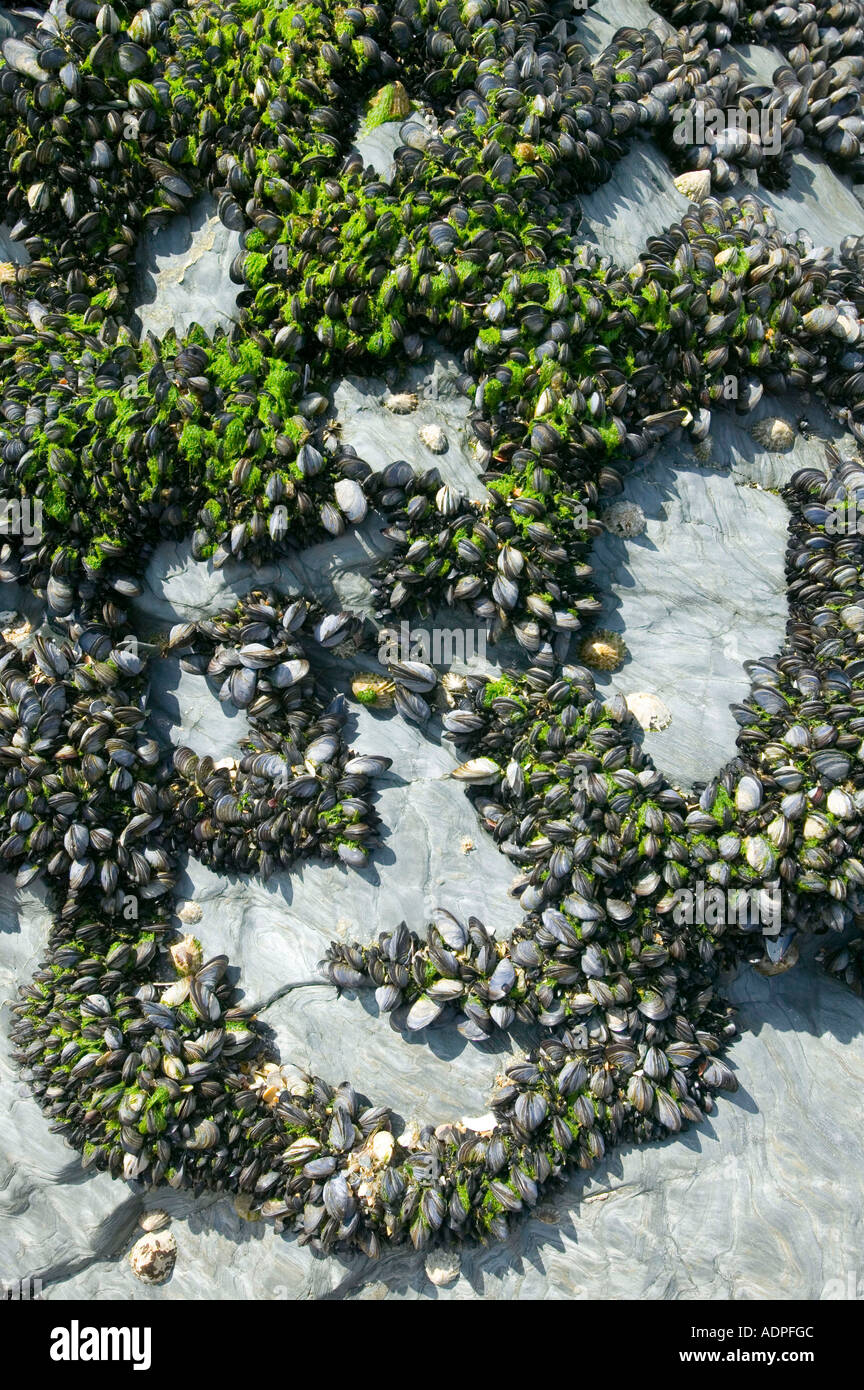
x: 722, y: 1218
x: 183, y: 273
x: 443, y: 1266
x: 152, y: 1257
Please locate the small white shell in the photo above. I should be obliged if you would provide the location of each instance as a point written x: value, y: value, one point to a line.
x: 401, y: 403
x: 649, y: 711
x: 479, y: 1124
x: 154, y: 1220
x: 381, y: 1146
x: 190, y: 913
x: 443, y: 1266
x: 433, y: 437
x: 774, y: 435
x: 695, y: 184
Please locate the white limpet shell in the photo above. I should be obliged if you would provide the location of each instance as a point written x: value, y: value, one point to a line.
x: 190, y: 913
x: 443, y: 1266
x: 152, y: 1257
x: 401, y: 402
x: 479, y: 1124
x: 694, y: 184
x: 773, y: 434
x: 433, y: 437
x: 154, y: 1220
x: 648, y: 710
x: 381, y: 1146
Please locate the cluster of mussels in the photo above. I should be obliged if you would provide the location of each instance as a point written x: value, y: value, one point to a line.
x: 817, y: 94
x: 111, y: 120
x: 297, y: 790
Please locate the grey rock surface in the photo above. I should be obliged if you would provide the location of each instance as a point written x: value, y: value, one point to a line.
x: 599, y: 24
x: 702, y: 590
x: 183, y: 273
x: 381, y: 434
x: 377, y: 147
x: 12, y: 250
x: 639, y: 201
